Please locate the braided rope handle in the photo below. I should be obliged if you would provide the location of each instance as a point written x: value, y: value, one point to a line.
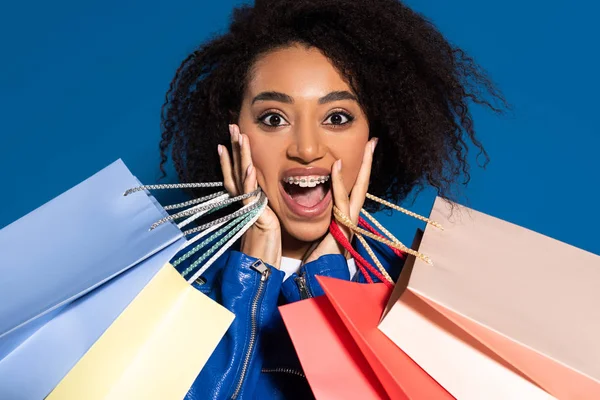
x: 236, y: 224
x: 247, y: 208
x: 206, y: 241
x: 194, y: 217
x: 195, y: 201
x: 196, y: 209
x: 242, y: 220
x: 361, y: 263
x: 346, y: 221
x: 374, y: 258
x: 232, y: 240
x: 172, y: 186
x: 404, y: 211
x: 365, y: 224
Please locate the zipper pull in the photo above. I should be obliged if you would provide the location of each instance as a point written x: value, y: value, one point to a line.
x: 260, y: 267
x: 302, y: 287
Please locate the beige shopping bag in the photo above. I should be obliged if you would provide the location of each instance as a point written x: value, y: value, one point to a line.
x: 154, y: 349
x: 503, y: 312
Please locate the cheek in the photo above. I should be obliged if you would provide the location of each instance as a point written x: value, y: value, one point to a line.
x: 263, y: 153
x: 351, y: 152
x: 263, y: 165
x: 265, y: 159
x: 350, y: 168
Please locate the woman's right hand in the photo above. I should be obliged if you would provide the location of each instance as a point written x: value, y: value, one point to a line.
x: 263, y: 239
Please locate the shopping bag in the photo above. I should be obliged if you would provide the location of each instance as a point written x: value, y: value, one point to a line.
x: 36, y: 366
x: 54, y: 256
x: 342, y: 352
x: 92, y: 277
x: 503, y: 312
x: 331, y: 361
x: 55, y: 249
x: 155, y: 348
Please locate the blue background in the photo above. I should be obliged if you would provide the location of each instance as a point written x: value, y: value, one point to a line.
x: 81, y: 84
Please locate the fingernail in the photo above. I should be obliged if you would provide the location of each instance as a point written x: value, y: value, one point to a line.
x: 233, y: 133
x: 374, y: 144
x: 219, y: 149
x: 338, y: 165
x: 249, y: 170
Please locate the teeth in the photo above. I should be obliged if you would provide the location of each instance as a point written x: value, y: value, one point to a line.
x: 307, y: 181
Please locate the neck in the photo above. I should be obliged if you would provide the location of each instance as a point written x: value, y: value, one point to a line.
x: 292, y: 247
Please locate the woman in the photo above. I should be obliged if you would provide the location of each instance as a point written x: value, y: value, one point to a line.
x: 315, y: 101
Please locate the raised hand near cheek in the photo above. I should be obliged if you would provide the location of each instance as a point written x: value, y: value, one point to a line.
x: 263, y: 239
x: 349, y: 205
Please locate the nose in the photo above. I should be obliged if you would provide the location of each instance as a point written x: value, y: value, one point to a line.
x: 307, y: 144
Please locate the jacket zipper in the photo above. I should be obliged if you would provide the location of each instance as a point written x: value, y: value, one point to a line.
x: 285, y: 371
x: 302, y: 287
x: 264, y: 271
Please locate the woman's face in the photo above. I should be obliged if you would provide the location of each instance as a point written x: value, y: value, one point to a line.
x: 301, y: 116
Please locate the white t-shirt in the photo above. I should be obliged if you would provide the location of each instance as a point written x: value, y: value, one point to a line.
x: 291, y: 265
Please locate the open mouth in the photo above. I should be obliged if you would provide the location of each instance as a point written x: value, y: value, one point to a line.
x: 307, y: 195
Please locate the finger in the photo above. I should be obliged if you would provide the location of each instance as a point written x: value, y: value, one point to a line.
x: 361, y: 186
x: 246, y: 161
x: 237, y: 176
x: 340, y: 195
x: 241, y: 169
x: 249, y: 182
x: 340, y: 198
x: 227, y: 169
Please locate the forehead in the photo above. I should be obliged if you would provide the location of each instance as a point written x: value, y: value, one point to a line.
x: 297, y: 71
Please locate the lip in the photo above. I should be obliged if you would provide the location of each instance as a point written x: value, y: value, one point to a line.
x: 300, y: 210
x: 305, y: 172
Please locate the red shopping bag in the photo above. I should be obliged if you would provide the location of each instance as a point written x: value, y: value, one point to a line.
x: 342, y: 352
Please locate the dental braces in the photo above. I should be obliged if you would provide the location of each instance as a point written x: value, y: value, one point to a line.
x: 295, y: 180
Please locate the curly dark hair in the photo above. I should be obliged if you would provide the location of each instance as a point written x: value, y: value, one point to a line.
x: 414, y: 86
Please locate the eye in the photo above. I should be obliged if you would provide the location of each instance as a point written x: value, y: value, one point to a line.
x: 272, y: 119
x: 339, y: 118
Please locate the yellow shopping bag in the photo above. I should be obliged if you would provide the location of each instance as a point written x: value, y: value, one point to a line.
x: 154, y: 349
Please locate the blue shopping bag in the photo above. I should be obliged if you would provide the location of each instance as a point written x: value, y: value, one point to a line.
x: 45, y: 357
x: 58, y: 263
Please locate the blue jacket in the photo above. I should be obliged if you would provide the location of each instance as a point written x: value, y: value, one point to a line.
x: 256, y: 359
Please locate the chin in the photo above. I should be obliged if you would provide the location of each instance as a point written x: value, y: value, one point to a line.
x: 308, y: 231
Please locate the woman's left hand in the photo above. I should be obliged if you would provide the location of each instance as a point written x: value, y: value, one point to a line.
x: 350, y: 206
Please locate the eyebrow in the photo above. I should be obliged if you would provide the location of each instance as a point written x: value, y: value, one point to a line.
x: 338, y: 95
x: 284, y: 98
x: 276, y: 96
